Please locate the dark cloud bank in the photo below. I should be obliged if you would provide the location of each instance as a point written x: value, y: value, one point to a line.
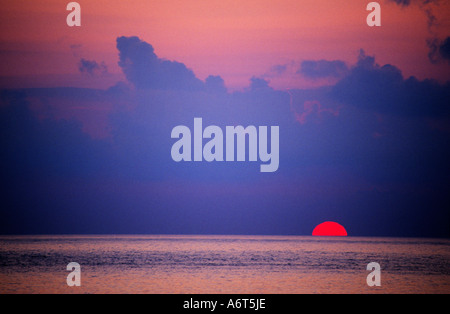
x: 370, y: 152
x: 323, y: 68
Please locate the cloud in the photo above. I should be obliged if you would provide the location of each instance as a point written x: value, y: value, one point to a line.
x: 435, y: 54
x: 323, y: 69
x: 277, y: 70
x: 402, y: 2
x: 92, y: 67
x: 314, y: 110
x: 408, y: 2
x: 215, y: 84
x: 259, y: 84
x: 383, y: 89
x: 34, y: 147
x: 280, y: 70
x: 76, y: 49
x: 439, y: 50
x: 444, y: 49
x: 283, y: 75
x: 145, y: 69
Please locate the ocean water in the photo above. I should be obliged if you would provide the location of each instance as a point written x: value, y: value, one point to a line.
x: 223, y: 264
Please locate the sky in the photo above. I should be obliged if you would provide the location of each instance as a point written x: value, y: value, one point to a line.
x: 86, y: 115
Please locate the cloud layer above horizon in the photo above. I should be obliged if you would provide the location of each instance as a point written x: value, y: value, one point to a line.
x: 370, y: 151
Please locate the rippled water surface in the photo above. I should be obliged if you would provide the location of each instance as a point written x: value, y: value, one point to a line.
x: 223, y: 264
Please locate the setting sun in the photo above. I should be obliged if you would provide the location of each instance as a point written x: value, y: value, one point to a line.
x: 329, y: 228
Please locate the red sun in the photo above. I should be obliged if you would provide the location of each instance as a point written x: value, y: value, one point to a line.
x: 329, y: 228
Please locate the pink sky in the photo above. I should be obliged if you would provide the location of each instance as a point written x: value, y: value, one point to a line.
x: 232, y: 38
